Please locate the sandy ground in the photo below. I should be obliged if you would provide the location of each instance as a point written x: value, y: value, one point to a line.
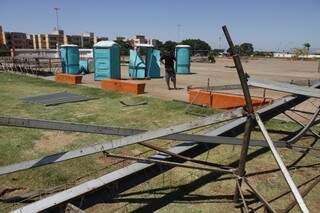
x: 220, y: 74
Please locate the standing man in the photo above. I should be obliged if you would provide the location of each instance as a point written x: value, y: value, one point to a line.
x: 170, y: 73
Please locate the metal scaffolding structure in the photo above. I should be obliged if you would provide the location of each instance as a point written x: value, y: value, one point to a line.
x: 235, y: 122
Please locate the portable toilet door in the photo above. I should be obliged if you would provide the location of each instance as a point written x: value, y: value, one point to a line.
x: 153, y: 63
x: 137, y: 67
x: 106, y: 56
x: 69, y: 54
x: 183, y: 59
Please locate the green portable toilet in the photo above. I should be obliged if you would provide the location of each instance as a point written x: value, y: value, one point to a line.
x: 69, y: 54
x: 183, y: 59
x: 106, y: 60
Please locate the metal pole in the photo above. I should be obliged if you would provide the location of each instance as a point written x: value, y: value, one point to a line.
x: 242, y: 75
x: 57, y: 16
x: 249, y: 108
x: 117, y: 143
x: 151, y: 160
x: 282, y: 167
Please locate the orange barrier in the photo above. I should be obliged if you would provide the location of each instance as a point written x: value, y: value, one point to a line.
x: 123, y: 86
x: 219, y: 100
x: 69, y: 79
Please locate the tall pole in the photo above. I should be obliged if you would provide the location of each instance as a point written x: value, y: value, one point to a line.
x: 178, y: 31
x: 248, y: 107
x: 57, y: 16
x: 57, y: 27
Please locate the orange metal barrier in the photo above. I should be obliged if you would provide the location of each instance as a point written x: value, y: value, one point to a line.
x: 123, y: 86
x: 218, y: 100
x: 69, y: 79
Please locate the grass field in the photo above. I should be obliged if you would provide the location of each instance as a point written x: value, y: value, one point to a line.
x: 179, y: 190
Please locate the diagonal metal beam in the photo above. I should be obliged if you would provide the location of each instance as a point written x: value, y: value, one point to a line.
x: 243, y: 77
x: 305, y: 127
x: 152, y: 160
x: 284, y: 87
x: 201, y: 162
x: 107, y: 130
x: 302, y: 125
x: 282, y: 166
x: 117, y: 143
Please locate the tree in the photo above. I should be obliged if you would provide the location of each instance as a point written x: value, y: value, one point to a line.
x: 169, y: 46
x: 236, y: 48
x: 125, y: 46
x: 263, y: 53
x: 158, y: 44
x: 307, y: 46
x: 217, y: 52
x: 300, y: 52
x: 197, y: 45
x: 246, y: 49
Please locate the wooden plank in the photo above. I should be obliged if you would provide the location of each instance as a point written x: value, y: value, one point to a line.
x: 285, y: 87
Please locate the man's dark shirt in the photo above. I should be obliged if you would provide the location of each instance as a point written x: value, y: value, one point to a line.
x: 169, y: 60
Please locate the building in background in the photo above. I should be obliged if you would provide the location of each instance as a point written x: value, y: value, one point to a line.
x: 42, y: 41
x: 47, y: 41
x: 87, y: 40
x: 73, y: 39
x: 97, y: 39
x: 15, y: 40
x: 35, y: 43
x: 139, y: 39
x: 120, y: 38
x: 1, y: 37
x: 29, y: 41
x: 54, y: 39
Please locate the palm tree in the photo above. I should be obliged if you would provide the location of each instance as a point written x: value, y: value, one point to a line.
x: 307, y: 45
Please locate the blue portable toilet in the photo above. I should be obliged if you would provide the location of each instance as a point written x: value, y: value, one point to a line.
x: 150, y: 67
x: 137, y: 67
x: 83, y: 66
x: 183, y: 59
x: 106, y: 57
x: 153, y: 63
x: 69, y: 54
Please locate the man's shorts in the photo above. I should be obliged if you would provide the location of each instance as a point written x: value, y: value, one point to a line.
x: 170, y: 75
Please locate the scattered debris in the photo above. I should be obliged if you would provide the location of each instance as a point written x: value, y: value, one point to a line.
x: 231, y: 67
x: 133, y: 104
x: 57, y: 98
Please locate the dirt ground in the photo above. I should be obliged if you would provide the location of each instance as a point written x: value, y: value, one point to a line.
x: 220, y: 73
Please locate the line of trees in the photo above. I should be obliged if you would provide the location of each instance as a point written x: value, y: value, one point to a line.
x: 244, y: 49
x: 197, y: 46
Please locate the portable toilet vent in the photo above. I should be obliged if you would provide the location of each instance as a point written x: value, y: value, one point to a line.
x: 69, y: 54
x: 149, y: 67
x: 183, y: 59
x: 106, y: 56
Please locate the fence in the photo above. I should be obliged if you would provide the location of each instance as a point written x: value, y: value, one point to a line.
x: 35, y: 66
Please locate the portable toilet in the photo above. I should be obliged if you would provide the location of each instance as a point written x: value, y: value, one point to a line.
x: 153, y: 63
x: 183, y: 59
x: 106, y: 57
x: 147, y: 67
x: 69, y: 54
x: 83, y: 66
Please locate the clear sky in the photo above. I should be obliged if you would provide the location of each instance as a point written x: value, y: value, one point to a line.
x: 268, y: 24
